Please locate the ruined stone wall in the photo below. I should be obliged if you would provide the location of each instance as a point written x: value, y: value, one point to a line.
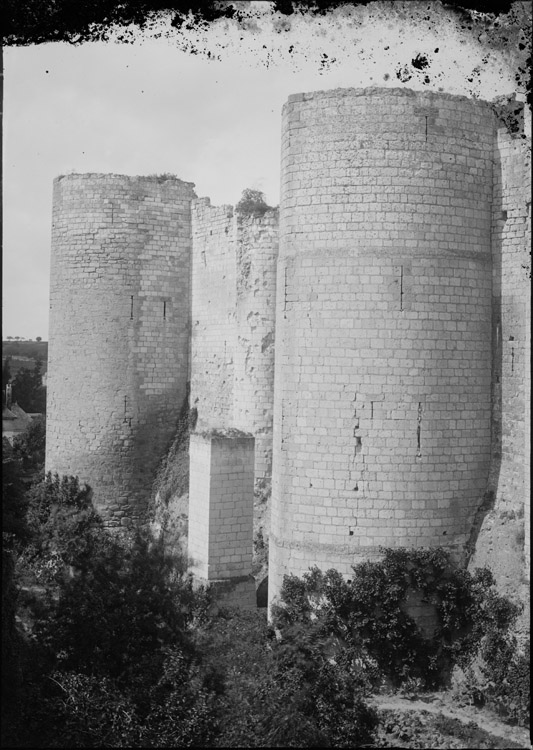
x: 119, y: 322
x: 233, y: 321
x: 232, y: 380
x: 213, y: 329
x: 383, y: 334
x: 396, y: 305
x: 253, y: 402
x: 502, y: 543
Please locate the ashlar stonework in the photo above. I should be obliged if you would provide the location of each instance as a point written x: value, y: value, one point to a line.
x: 370, y: 339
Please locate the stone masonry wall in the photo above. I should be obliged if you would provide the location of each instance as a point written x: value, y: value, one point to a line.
x: 213, y: 330
x: 221, y: 506
x: 253, y: 395
x: 396, y: 411
x: 233, y: 323
x: 119, y: 322
x: 502, y: 544
x: 383, y: 341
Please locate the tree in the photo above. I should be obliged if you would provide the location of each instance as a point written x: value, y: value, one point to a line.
x: 368, y: 614
x: 29, y: 448
x: 252, y: 202
x: 28, y: 390
x: 111, y: 660
x: 38, y: 338
x: 6, y: 373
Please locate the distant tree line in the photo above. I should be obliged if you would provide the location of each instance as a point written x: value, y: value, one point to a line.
x: 22, y: 338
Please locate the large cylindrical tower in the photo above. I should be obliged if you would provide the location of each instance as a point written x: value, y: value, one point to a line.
x: 383, y: 343
x: 119, y: 331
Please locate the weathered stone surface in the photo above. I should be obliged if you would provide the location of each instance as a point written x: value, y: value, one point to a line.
x: 383, y: 338
x: 380, y: 357
x: 119, y: 332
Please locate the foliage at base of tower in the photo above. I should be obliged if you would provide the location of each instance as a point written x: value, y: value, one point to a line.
x: 119, y: 650
x: 368, y: 616
x: 107, y: 657
x: 499, y: 679
x: 285, y: 693
x: 507, y: 674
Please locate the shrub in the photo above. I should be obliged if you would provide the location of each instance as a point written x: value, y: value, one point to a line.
x: 281, y: 694
x: 114, y: 626
x: 123, y: 606
x: 252, y: 203
x: 368, y: 614
x: 65, y: 529
x: 30, y: 447
x: 505, y: 684
x: 78, y: 710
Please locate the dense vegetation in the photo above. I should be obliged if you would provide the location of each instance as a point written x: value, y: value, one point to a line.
x: 23, y: 365
x: 27, y: 389
x: 107, y: 643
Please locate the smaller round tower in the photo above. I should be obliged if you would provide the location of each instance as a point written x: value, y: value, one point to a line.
x: 119, y: 331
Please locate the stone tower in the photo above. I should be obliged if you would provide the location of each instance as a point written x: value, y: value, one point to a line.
x: 382, y: 410
x: 366, y: 349
x: 119, y: 332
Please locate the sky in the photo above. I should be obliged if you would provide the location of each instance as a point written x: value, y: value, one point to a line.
x: 153, y: 107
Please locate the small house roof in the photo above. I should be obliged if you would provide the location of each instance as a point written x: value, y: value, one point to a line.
x: 19, y: 412
x: 8, y: 414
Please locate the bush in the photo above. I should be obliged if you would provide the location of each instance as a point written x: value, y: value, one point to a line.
x: 124, y: 603
x: 30, y: 447
x: 78, y: 710
x: 170, y: 709
x: 505, y: 684
x: 284, y: 693
x: 110, y: 659
x: 65, y: 530
x: 252, y: 203
x: 368, y: 614
x: 28, y: 390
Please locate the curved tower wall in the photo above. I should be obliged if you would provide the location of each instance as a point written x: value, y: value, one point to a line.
x: 383, y: 326
x: 119, y: 320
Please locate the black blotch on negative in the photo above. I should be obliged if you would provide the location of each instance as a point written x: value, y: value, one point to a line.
x: 420, y: 62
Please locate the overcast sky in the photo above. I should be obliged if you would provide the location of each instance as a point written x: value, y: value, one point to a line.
x: 150, y: 108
